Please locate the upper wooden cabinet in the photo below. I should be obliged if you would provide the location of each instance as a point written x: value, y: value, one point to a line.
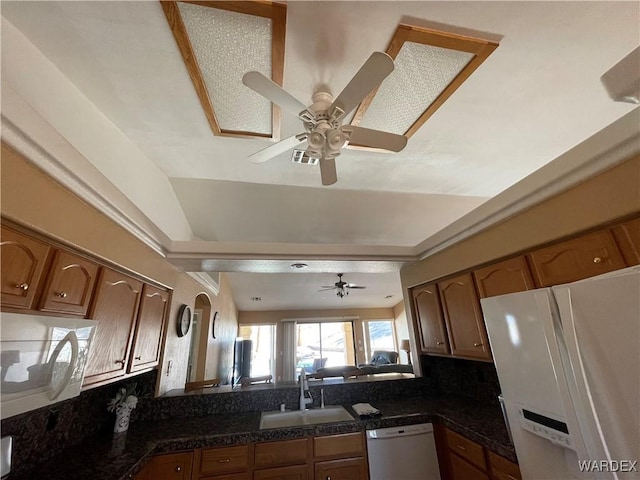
x: 508, y: 276
x: 465, y: 324
x: 430, y: 322
x: 149, y: 327
x: 69, y: 285
x: 627, y: 237
x: 115, y: 308
x: 23, y: 260
x: 575, y: 259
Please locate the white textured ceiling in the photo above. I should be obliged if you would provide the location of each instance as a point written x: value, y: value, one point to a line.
x: 537, y: 96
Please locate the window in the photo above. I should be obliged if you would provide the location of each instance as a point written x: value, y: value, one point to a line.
x: 263, y: 347
x: 328, y: 344
x: 379, y: 335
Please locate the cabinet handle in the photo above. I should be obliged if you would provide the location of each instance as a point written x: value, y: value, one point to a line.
x: 61, y: 294
x: 477, y: 344
x: 178, y: 468
x: 138, y: 358
x: 439, y: 343
x: 597, y: 260
x: 224, y: 460
x: 23, y: 286
x: 121, y: 362
x: 460, y: 447
x: 511, y: 476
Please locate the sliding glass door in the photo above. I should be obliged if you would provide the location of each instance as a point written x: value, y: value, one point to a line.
x: 326, y: 344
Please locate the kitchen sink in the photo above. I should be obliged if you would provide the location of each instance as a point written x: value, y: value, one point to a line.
x: 297, y: 418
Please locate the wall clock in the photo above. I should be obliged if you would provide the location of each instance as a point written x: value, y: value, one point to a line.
x: 184, y: 320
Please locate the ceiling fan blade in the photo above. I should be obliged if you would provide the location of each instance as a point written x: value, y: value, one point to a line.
x: 275, y: 149
x: 273, y: 92
x: 328, y: 171
x: 370, y: 76
x: 367, y: 137
x: 355, y: 286
x: 325, y: 289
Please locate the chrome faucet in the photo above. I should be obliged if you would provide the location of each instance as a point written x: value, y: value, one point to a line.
x: 305, y: 394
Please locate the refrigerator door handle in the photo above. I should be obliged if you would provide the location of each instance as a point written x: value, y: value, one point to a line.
x: 506, y: 418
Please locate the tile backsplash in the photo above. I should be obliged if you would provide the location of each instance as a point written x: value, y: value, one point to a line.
x: 464, y: 378
x: 43, y: 433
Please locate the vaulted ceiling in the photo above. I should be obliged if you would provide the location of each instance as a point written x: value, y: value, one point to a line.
x: 101, y: 87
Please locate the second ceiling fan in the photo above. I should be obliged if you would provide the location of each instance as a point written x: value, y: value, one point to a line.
x: 322, y: 120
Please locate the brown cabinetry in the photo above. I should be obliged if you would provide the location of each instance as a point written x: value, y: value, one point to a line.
x: 463, y: 317
x: 509, y: 276
x: 341, y: 469
x: 430, y: 322
x: 293, y: 472
x: 173, y: 466
x: 115, y: 308
x: 222, y: 462
x: 148, y: 334
x: 286, y: 452
x: 463, y: 459
x: 627, y: 236
x: 69, y: 284
x: 23, y: 261
x: 575, y: 259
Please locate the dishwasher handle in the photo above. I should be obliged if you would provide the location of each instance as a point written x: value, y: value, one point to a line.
x: 404, y: 431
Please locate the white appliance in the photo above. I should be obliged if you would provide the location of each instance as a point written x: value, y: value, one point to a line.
x: 42, y: 360
x: 568, y: 362
x: 403, y: 453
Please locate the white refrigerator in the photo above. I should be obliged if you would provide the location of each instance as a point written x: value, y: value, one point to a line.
x: 568, y: 362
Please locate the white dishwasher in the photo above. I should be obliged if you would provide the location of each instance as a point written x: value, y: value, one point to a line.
x: 403, y: 453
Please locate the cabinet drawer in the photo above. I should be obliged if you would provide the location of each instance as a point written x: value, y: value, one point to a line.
x: 344, y: 469
x: 463, y: 470
x: 467, y: 449
x: 503, y: 469
x: 227, y: 476
x: 582, y: 257
x: 288, y: 452
x: 214, y: 461
x: 345, y: 445
x: 295, y: 472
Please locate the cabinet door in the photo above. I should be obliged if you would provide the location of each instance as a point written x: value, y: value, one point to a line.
x: 582, y: 257
x: 22, y: 260
x: 294, y: 472
x: 467, y: 333
x: 145, y: 473
x: 430, y: 322
x: 286, y: 452
x: 69, y: 285
x: 509, y: 276
x: 627, y: 237
x: 462, y: 470
x: 174, y: 466
x: 503, y: 469
x: 343, y: 469
x: 115, y: 308
x: 149, y: 327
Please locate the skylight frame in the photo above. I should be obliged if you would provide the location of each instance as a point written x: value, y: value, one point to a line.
x: 480, y: 48
x: 275, y: 11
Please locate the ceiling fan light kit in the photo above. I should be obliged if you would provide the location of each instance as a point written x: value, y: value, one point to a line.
x: 322, y: 120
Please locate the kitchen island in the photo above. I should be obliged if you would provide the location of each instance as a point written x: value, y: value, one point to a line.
x: 122, y: 456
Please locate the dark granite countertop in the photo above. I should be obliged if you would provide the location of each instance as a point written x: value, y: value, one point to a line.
x: 120, y: 456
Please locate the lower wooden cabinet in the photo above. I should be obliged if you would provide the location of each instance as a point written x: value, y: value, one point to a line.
x: 463, y: 459
x: 220, y: 462
x: 172, y: 466
x: 342, y: 469
x: 293, y: 472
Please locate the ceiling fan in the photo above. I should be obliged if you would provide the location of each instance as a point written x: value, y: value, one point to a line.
x: 341, y: 286
x: 322, y: 120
